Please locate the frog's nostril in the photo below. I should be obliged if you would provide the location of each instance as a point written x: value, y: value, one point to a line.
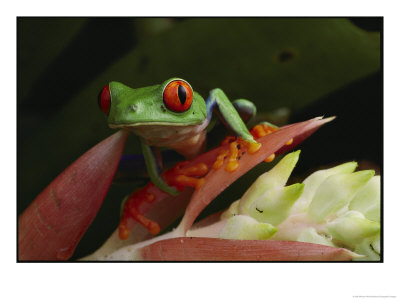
x: 104, y: 99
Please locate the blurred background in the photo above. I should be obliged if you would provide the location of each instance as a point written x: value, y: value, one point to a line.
x: 293, y: 69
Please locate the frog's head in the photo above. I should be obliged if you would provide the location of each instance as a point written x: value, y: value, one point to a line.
x: 171, y: 103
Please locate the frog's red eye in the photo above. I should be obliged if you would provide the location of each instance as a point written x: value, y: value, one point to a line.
x: 104, y: 99
x: 178, y: 96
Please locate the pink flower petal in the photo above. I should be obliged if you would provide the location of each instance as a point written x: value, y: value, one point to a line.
x: 211, y: 249
x: 51, y: 227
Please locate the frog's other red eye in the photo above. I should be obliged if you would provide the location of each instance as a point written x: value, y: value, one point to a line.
x: 104, y: 99
x: 178, y: 96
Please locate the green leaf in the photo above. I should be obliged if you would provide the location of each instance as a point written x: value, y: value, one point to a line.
x: 352, y: 227
x: 365, y: 248
x: 336, y: 192
x: 274, y: 205
x: 246, y: 228
x: 376, y: 243
x: 274, y: 179
x: 231, y: 211
x: 368, y: 200
x: 310, y: 235
x: 313, y: 181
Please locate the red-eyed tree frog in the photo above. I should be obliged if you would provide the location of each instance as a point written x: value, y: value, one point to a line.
x: 171, y: 115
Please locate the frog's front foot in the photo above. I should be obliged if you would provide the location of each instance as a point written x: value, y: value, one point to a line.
x: 237, y: 148
x: 182, y: 175
x: 263, y: 129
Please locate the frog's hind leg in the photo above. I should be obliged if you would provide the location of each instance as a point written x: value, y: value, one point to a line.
x: 130, y: 209
x: 154, y: 169
x: 182, y: 175
x: 153, y: 166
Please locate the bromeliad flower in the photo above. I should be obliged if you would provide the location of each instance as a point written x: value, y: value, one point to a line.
x: 52, y: 226
x: 319, y: 219
x: 335, y: 207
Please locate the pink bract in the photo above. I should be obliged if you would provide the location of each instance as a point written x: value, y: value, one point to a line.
x: 51, y: 227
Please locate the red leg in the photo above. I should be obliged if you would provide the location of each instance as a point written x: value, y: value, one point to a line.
x: 179, y: 177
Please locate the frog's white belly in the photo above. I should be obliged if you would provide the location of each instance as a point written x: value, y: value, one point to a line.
x: 189, y: 140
